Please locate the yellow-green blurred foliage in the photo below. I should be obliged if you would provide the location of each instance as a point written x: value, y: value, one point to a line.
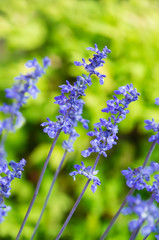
x: 61, y: 30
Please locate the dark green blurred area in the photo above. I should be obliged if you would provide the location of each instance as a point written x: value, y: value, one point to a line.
x: 62, y: 30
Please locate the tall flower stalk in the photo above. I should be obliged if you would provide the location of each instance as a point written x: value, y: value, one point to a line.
x: 105, y: 133
x: 24, y: 86
x: 139, y: 178
x: 90, y: 177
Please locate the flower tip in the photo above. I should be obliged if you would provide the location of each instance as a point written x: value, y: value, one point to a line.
x: 93, y: 188
x: 46, y: 62
x: 85, y: 153
x: 157, y: 101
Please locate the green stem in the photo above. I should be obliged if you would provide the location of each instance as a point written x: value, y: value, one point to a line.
x: 77, y: 202
x: 38, y: 184
x: 48, y: 195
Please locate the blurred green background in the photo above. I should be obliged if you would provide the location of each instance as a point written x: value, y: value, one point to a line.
x: 61, y: 30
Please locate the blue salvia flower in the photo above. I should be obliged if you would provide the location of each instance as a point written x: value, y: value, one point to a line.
x: 3, y: 210
x: 24, y: 86
x: 70, y: 104
x: 139, y: 177
x: 146, y: 211
x: 5, y: 181
x: 96, y: 61
x: 68, y: 145
x: 106, y: 130
x: 154, y: 189
x: 157, y: 101
x: 87, y: 172
x: 6, y: 177
x: 154, y: 126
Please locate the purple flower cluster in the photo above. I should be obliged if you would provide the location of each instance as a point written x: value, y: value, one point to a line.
x: 95, y: 62
x: 68, y: 145
x: 154, y: 189
x: 157, y: 101
x: 144, y: 178
x: 117, y: 107
x: 70, y: 104
x: 24, y: 86
x: 147, y: 213
x: 139, y: 177
x: 106, y: 130
x: 154, y: 126
x: 106, y: 135
x: 87, y: 172
x: 3, y: 211
x: 6, y: 177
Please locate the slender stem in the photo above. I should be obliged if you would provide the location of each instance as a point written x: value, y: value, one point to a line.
x: 38, y: 184
x: 149, y: 153
x: 135, y: 232
x: 117, y: 214
x: 146, y: 236
x: 77, y: 202
x: 48, y: 195
x: 96, y: 162
x: 2, y: 142
x: 73, y: 210
x: 129, y: 194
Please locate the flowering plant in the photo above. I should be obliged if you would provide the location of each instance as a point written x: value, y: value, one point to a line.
x: 103, y: 138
